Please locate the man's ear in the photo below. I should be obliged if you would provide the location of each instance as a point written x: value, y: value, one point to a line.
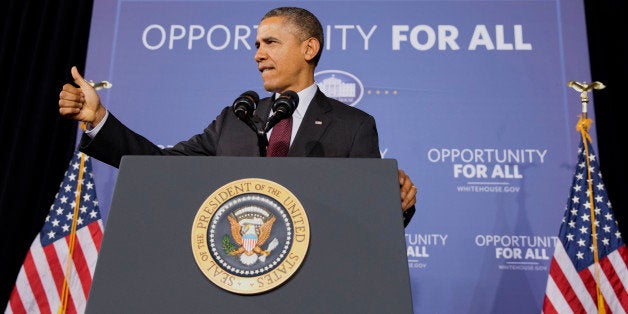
x: 312, y: 46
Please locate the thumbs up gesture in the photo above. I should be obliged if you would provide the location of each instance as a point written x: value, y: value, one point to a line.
x: 82, y: 103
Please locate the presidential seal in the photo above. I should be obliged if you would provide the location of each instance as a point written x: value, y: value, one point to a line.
x: 250, y: 236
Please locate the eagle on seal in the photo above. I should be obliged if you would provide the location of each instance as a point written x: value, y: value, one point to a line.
x: 249, y: 236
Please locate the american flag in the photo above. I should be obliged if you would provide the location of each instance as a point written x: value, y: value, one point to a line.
x: 573, y: 275
x: 40, y: 283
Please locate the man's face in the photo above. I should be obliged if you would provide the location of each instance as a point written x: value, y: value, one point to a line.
x: 281, y: 56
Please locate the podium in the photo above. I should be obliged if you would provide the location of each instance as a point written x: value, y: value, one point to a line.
x: 355, y: 261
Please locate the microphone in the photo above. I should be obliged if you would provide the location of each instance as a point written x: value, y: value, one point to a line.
x: 283, y: 107
x: 244, y: 106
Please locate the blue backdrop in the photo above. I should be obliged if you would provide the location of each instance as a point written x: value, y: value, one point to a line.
x: 470, y: 97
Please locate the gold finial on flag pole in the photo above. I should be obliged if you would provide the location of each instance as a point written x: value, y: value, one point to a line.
x: 584, y: 88
x: 100, y: 85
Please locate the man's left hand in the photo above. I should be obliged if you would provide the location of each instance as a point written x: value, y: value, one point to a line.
x: 408, y: 191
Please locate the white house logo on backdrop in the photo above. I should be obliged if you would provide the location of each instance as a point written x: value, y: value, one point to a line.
x: 340, y: 85
x: 489, y: 170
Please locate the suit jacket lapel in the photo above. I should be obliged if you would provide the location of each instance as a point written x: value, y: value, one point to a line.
x: 263, y: 109
x: 313, y: 126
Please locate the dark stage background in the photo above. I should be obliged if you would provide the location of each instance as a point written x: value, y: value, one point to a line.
x: 41, y: 40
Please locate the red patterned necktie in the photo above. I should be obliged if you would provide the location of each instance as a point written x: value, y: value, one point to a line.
x: 279, y: 142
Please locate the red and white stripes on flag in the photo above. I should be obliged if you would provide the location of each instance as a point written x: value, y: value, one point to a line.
x: 579, y: 281
x: 570, y: 291
x: 40, y: 283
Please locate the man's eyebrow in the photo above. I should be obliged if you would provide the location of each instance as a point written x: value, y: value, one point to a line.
x: 269, y: 38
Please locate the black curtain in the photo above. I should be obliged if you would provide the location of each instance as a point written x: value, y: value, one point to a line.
x: 607, y: 32
x: 41, y: 40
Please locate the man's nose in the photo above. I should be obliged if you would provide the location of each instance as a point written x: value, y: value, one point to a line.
x: 260, y: 55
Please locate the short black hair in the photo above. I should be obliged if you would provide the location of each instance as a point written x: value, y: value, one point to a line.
x: 306, y: 22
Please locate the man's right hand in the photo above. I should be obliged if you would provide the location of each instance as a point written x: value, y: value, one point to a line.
x: 83, y: 103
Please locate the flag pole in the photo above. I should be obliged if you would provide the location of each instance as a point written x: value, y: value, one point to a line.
x: 77, y: 201
x: 583, y: 127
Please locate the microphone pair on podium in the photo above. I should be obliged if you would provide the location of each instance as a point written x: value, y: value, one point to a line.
x: 283, y: 107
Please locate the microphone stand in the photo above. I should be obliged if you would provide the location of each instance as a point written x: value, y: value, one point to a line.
x: 262, y: 142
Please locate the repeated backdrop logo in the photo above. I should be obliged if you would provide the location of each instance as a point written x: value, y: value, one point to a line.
x: 519, y: 252
x: 487, y: 170
x: 420, y: 246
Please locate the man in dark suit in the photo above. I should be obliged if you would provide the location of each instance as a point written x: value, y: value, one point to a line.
x: 289, y: 44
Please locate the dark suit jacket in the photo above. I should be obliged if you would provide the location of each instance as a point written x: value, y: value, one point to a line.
x: 329, y: 128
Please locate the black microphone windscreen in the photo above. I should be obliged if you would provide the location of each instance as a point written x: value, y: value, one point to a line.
x: 245, y: 104
x: 294, y: 97
x: 287, y: 102
x: 251, y: 94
